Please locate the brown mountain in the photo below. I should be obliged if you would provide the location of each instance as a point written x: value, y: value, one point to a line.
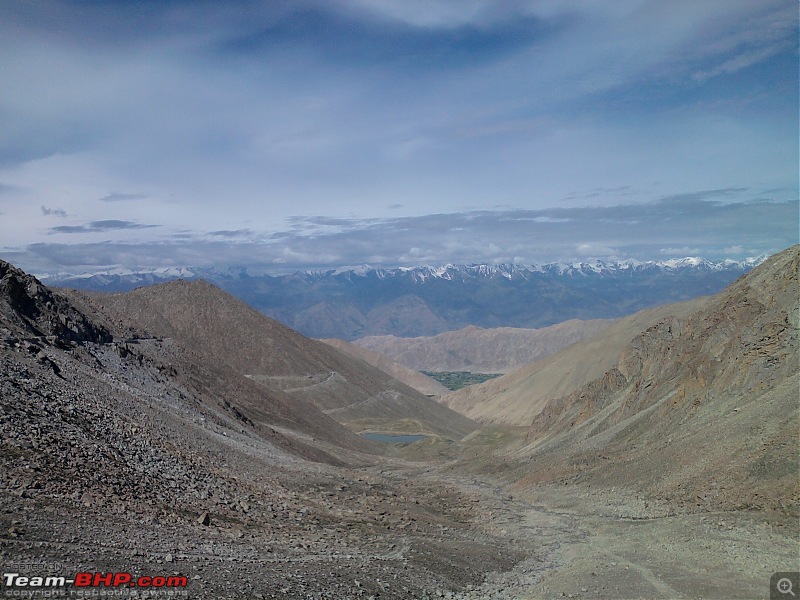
x: 120, y: 445
x: 701, y: 409
x: 673, y: 475
x: 495, y: 350
x: 415, y: 379
x: 65, y: 365
x: 224, y: 331
x: 516, y: 398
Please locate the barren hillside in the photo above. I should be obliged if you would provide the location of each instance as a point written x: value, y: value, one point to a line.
x: 496, y: 350
x: 55, y: 326
x: 672, y: 473
x: 516, y: 398
x: 226, y: 331
x: 699, y: 411
x: 412, y: 378
x: 140, y: 455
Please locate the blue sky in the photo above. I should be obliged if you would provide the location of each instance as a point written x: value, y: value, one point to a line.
x: 297, y: 134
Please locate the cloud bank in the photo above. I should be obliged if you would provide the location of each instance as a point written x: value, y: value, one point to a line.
x: 657, y: 230
x: 388, y: 131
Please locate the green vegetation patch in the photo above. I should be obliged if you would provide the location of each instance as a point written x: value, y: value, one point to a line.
x: 455, y: 380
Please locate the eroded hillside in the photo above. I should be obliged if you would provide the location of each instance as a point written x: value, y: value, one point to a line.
x: 699, y: 412
x: 224, y: 331
x: 515, y: 399
x: 137, y: 437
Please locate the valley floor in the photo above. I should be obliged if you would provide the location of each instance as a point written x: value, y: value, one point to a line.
x: 403, y: 529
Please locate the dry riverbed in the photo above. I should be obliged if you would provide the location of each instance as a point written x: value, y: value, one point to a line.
x: 401, y: 529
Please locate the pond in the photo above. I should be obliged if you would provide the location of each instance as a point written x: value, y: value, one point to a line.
x: 388, y: 438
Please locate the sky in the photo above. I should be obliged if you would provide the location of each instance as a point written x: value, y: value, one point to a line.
x: 297, y: 134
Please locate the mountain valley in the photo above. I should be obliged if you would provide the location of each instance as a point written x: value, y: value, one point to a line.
x: 174, y: 430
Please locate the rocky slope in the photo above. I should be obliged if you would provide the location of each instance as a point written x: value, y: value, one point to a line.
x: 65, y: 332
x: 699, y: 411
x: 478, y: 350
x: 515, y: 399
x: 125, y: 451
x: 29, y: 309
x: 225, y: 332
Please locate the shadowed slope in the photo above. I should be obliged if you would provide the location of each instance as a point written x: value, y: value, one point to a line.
x: 228, y: 332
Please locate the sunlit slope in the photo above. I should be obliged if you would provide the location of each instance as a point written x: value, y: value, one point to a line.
x: 516, y: 398
x: 700, y: 410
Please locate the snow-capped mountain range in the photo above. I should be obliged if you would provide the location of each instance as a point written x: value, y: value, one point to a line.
x: 356, y: 301
x: 510, y: 271
x: 420, y: 273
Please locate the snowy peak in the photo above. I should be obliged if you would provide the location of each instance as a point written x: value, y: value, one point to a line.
x: 166, y: 273
x: 447, y: 272
x: 357, y: 301
x: 450, y: 272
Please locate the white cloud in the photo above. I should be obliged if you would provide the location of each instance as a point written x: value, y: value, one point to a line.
x: 122, y: 197
x: 211, y: 124
x: 681, y: 252
x: 713, y: 230
x: 596, y: 250
x: 448, y: 14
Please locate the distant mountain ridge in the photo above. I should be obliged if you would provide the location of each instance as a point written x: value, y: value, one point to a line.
x: 497, y: 350
x: 512, y: 271
x: 448, y: 271
x: 354, y: 302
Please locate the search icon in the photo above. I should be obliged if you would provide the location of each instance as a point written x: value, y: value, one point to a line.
x: 785, y: 586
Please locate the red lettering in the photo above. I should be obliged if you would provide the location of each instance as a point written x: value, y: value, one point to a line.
x: 104, y: 579
x: 113, y: 579
x: 178, y: 581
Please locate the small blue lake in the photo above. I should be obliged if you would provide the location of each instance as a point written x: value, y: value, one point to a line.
x: 388, y: 438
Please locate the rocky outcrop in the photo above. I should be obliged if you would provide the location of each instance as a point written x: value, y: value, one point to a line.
x: 29, y: 309
x: 693, y: 401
